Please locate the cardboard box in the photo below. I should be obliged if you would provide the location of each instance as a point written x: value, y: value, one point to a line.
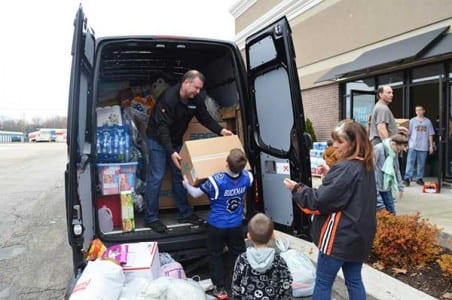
x: 403, y: 123
x: 142, y: 261
x: 202, y: 158
x: 197, y: 131
x: 127, y: 216
x: 117, y: 177
x: 166, y: 199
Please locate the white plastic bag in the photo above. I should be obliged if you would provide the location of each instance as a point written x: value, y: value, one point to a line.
x: 170, y: 268
x: 301, y: 268
x: 168, y: 288
x: 101, y: 279
x: 132, y: 289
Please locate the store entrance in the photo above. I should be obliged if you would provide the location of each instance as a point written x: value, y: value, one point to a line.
x: 427, y: 95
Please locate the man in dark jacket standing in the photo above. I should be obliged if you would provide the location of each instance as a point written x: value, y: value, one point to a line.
x: 173, y: 112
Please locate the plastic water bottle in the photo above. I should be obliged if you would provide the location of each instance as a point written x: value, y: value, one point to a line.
x: 122, y: 144
x: 127, y: 143
x: 98, y: 137
x: 115, y: 140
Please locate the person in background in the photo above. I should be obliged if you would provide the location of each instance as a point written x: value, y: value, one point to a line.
x: 260, y: 273
x: 329, y: 155
x: 344, y: 211
x: 226, y: 191
x: 387, y: 173
x: 420, y: 144
x: 168, y: 122
x: 382, y: 122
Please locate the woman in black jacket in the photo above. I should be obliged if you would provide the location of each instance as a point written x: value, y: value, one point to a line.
x: 344, y: 209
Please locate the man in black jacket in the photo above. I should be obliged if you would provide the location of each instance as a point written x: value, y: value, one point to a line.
x: 173, y: 112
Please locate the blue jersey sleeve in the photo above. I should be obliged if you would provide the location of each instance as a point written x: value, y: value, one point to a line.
x: 210, y: 188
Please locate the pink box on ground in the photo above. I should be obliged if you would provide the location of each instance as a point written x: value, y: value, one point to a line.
x: 142, y: 261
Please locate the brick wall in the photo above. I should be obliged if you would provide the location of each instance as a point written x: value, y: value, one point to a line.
x: 321, y: 106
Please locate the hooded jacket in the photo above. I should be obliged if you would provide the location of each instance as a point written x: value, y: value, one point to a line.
x: 259, y: 273
x: 344, y: 209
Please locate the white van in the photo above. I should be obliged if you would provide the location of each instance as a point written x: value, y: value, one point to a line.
x: 265, y: 90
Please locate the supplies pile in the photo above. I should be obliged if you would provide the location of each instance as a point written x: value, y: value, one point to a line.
x: 316, y: 157
x: 133, y: 271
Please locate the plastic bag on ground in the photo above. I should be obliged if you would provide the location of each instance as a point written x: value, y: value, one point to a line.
x: 168, y: 288
x: 169, y: 267
x: 301, y: 268
x: 101, y: 279
x: 132, y: 289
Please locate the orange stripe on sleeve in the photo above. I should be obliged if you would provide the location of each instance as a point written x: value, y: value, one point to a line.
x: 307, y: 210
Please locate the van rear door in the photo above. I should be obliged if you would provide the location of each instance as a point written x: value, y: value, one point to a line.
x: 79, y: 173
x: 277, y: 129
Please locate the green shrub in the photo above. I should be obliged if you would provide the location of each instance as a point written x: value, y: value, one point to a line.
x: 310, y: 130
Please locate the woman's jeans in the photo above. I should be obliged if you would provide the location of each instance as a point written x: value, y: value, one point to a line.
x: 327, y: 268
x: 159, y: 160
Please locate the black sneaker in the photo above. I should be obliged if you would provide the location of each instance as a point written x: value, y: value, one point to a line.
x: 406, y: 182
x: 157, y: 226
x: 193, y: 219
x: 420, y: 181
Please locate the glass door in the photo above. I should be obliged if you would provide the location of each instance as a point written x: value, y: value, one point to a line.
x: 362, y: 103
x: 448, y: 132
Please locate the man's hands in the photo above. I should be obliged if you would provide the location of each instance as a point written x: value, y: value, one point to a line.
x: 225, y: 132
x: 175, y: 157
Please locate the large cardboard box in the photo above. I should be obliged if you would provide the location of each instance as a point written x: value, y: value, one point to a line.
x: 196, y: 131
x: 166, y: 199
x: 403, y: 122
x: 142, y: 261
x: 202, y: 158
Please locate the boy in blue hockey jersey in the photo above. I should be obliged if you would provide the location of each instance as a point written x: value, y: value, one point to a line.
x: 226, y: 191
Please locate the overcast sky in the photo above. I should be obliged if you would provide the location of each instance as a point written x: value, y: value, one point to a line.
x: 36, y: 39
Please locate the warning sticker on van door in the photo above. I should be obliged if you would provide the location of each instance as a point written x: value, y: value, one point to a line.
x: 282, y: 168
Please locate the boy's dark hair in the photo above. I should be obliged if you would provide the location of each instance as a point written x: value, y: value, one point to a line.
x: 260, y: 228
x: 236, y: 160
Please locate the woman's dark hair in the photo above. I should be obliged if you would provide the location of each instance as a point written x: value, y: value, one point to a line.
x: 360, y: 147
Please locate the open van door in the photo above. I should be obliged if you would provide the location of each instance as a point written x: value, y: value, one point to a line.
x: 79, y: 170
x: 278, y: 134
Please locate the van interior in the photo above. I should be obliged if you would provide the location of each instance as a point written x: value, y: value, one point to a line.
x: 131, y: 73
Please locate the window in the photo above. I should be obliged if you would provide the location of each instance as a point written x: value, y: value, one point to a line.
x: 367, y: 84
x: 426, y: 73
x: 392, y: 79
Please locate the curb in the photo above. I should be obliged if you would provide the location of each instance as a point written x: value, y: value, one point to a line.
x: 378, y: 284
